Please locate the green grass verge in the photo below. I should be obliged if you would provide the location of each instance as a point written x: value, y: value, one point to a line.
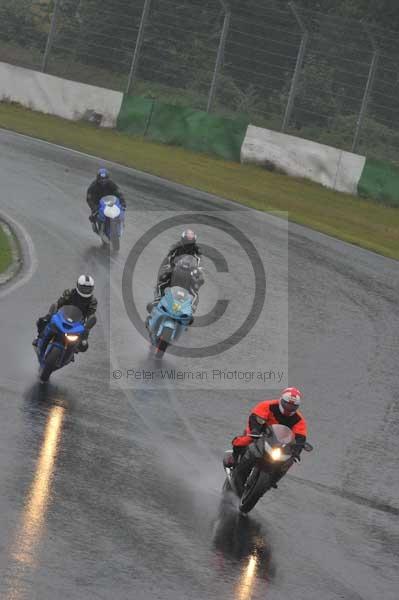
x: 361, y: 222
x: 5, y: 251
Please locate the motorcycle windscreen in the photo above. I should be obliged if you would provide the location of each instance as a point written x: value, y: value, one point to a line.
x: 110, y: 202
x: 71, y: 314
x: 283, y: 434
x: 179, y: 301
x: 112, y: 212
x: 179, y: 294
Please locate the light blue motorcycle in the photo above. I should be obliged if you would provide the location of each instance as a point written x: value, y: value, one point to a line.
x: 169, y: 318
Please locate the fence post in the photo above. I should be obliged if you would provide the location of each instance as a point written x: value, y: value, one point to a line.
x: 298, y: 66
x: 139, y: 43
x: 367, y: 92
x: 51, y: 33
x: 219, y: 57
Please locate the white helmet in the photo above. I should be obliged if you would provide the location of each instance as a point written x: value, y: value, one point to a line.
x: 85, y: 286
x: 290, y: 401
x: 188, y: 237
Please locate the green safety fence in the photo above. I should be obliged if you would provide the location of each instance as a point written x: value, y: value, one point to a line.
x: 183, y: 126
x: 135, y: 115
x: 380, y: 180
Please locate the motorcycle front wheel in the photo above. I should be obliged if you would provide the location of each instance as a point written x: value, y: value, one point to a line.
x: 114, y: 236
x: 50, y: 365
x: 252, y: 494
x: 164, y: 342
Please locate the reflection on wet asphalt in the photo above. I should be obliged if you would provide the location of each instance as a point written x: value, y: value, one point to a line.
x: 110, y: 493
x: 38, y: 496
x: 30, y: 530
x: 243, y: 545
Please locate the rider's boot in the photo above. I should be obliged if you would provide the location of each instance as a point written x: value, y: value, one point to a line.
x: 228, y: 460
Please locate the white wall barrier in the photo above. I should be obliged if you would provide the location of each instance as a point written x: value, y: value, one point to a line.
x: 297, y: 157
x: 56, y: 96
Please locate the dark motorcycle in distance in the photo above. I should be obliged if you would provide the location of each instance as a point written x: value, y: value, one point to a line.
x: 270, y: 454
x: 60, y: 339
x: 110, y: 220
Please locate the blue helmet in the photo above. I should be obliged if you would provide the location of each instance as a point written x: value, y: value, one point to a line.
x: 102, y: 175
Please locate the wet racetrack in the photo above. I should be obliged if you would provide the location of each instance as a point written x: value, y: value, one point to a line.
x: 114, y: 494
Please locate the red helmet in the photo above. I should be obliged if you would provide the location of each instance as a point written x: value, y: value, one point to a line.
x: 290, y: 401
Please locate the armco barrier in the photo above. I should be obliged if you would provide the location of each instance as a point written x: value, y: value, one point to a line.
x: 298, y: 157
x: 380, y: 180
x: 182, y: 126
x: 56, y: 96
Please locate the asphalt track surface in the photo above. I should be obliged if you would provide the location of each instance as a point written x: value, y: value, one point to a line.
x: 111, y: 493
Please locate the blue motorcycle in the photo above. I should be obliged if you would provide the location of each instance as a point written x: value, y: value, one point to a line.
x: 172, y: 315
x: 110, y: 221
x: 59, y: 342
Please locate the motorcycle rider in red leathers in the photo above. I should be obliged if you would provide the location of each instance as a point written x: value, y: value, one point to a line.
x: 282, y: 411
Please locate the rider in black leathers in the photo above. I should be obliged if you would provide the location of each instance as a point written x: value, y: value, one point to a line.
x: 102, y: 186
x: 170, y: 275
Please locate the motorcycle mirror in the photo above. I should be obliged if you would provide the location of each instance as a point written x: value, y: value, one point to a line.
x: 308, y: 447
x: 52, y: 309
x: 91, y: 321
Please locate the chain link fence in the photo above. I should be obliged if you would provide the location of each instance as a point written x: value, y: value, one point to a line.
x: 328, y: 79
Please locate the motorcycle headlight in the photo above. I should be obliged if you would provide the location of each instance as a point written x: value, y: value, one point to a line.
x: 276, y: 453
x: 71, y: 338
x: 176, y: 307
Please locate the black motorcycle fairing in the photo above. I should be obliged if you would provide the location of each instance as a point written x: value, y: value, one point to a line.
x: 256, y: 459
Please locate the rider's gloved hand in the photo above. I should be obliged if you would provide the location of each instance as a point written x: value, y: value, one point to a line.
x: 296, y: 452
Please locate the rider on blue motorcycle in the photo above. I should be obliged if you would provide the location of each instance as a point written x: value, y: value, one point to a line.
x: 186, y: 246
x: 81, y: 297
x: 102, y: 186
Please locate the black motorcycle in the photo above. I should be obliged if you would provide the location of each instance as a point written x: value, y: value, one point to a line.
x: 271, y: 454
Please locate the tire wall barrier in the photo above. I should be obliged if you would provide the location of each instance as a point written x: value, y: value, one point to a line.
x: 183, y: 126
x: 55, y: 96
